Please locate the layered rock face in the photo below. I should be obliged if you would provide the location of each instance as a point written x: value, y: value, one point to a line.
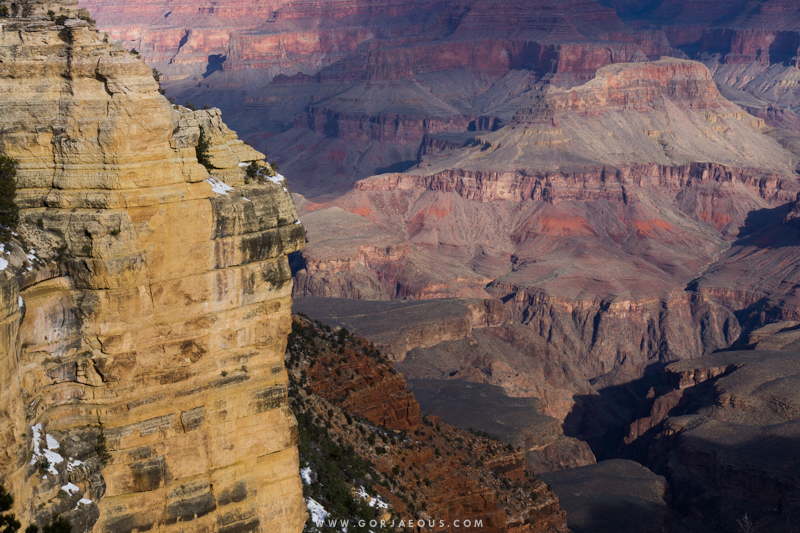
x: 361, y: 84
x: 521, y: 214
x: 752, y: 47
x: 144, y: 370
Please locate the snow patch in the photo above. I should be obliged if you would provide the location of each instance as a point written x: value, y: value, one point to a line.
x: 73, y: 464
x: 277, y: 178
x: 3, y: 263
x: 83, y: 501
x: 297, y: 221
x: 305, y: 475
x: 70, y: 488
x: 317, y: 511
x: 21, y: 302
x: 37, y: 434
x: 218, y: 186
x: 244, y: 164
x: 372, y: 501
x: 52, y: 444
x: 246, y: 199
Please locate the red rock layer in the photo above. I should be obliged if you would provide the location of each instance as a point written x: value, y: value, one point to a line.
x: 433, y: 472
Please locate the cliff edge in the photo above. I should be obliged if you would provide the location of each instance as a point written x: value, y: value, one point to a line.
x: 145, y: 302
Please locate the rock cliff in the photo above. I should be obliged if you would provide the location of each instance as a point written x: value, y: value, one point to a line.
x: 144, y: 331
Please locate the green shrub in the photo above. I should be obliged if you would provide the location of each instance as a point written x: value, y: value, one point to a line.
x: 201, y: 150
x: 9, y: 212
x: 252, y: 170
x: 101, y: 448
x: 8, y: 522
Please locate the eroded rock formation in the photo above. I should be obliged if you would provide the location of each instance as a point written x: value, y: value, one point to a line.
x: 723, y: 429
x: 143, y: 339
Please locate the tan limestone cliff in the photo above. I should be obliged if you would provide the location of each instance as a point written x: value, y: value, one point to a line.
x: 144, y: 360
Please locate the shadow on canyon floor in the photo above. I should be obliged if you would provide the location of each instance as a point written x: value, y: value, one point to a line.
x: 600, y: 419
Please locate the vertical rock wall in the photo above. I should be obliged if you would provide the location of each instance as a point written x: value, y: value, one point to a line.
x: 144, y: 389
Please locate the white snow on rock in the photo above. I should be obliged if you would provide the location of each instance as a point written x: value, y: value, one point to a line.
x: 73, y: 464
x: 277, y: 178
x: 372, y: 501
x: 246, y: 199
x: 37, y: 434
x: 83, y: 501
x: 70, y: 488
x: 21, y: 302
x: 3, y: 263
x: 305, y: 475
x: 297, y: 221
x: 218, y: 186
x: 52, y: 444
x: 53, y: 457
x: 317, y: 511
x: 244, y: 164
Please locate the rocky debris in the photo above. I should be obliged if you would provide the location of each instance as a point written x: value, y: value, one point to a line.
x: 612, y: 496
x: 350, y: 378
x: 421, y: 471
x: 145, y: 303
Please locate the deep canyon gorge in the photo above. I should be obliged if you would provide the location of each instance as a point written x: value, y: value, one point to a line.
x: 545, y: 256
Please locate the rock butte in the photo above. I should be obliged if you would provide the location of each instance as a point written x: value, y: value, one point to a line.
x: 642, y: 188
x: 150, y: 328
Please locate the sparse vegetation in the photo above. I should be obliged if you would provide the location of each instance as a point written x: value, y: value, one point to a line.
x: 101, y: 448
x: 8, y: 521
x: 157, y: 77
x: 9, y: 212
x: 135, y: 52
x: 57, y: 525
x: 745, y: 524
x: 201, y: 150
x: 86, y: 18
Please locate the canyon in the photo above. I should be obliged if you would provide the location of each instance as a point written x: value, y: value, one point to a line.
x: 570, y: 213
